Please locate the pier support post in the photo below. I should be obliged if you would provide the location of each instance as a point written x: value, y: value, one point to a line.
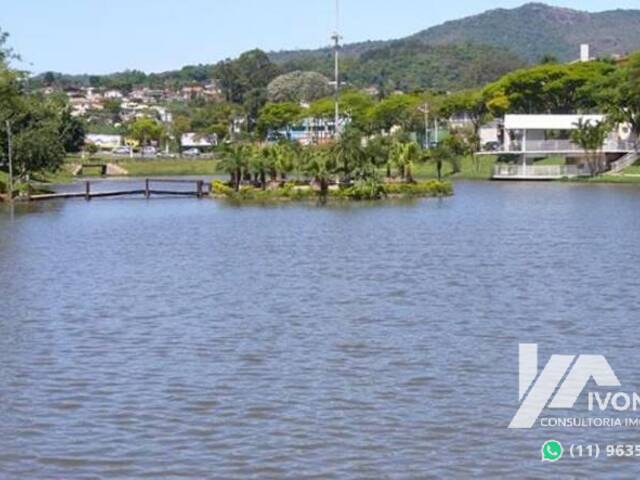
x: 147, y: 192
x: 87, y: 190
x: 200, y: 183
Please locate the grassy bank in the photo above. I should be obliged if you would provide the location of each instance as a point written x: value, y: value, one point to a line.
x: 138, y: 167
x: 479, y: 168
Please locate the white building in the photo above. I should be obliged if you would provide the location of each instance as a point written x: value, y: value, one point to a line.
x: 201, y: 142
x: 529, y: 138
x: 113, y: 94
x: 105, y: 142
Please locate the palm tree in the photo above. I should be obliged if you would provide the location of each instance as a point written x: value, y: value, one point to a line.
x: 258, y: 165
x: 349, y: 154
x: 591, y: 137
x: 404, y: 155
x: 320, y: 165
x: 235, y: 161
x: 395, y: 158
x: 284, y: 159
x: 410, y: 155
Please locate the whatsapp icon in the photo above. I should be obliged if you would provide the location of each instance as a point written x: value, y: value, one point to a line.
x: 552, y: 451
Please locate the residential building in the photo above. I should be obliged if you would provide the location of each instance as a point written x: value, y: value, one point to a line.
x: 530, y: 138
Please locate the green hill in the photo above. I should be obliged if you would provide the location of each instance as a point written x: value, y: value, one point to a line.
x: 530, y: 32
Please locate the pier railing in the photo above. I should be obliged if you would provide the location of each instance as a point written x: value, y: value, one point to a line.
x: 200, y: 189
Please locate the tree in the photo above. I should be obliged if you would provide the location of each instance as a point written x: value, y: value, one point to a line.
x: 36, y: 127
x: 92, y: 149
x: 405, y: 155
x: 320, y: 165
x: 619, y: 94
x: 181, y: 124
x: 254, y: 100
x: 259, y: 163
x: 72, y: 132
x: 252, y: 70
x: 145, y: 129
x: 298, y: 87
x: 275, y: 116
x: 591, y: 137
x: 215, y: 118
x: 471, y: 103
x: 548, y: 88
x: 234, y: 160
x: 397, y: 110
x: 350, y: 156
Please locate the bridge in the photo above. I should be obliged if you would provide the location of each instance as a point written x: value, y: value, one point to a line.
x: 152, y: 186
x: 105, y: 169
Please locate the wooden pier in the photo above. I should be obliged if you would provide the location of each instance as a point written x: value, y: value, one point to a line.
x: 201, y: 188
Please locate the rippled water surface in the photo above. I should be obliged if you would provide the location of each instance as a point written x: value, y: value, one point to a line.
x: 177, y: 338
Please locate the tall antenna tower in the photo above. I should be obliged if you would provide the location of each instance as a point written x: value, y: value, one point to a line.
x: 336, y: 54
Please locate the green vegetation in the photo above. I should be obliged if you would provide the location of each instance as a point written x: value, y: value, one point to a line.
x: 532, y: 32
x: 36, y: 131
x: 138, y: 167
x: 409, y: 65
x: 360, y: 191
x: 173, y: 167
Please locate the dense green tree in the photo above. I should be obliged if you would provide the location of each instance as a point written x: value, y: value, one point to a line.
x: 145, y: 129
x: 547, y: 89
x: 320, y: 165
x: 471, y: 103
x: 619, y: 93
x: 397, y: 110
x: 235, y: 161
x: 275, y: 116
x: 252, y: 70
x: 351, y: 157
x: 215, y: 118
x: 298, y: 86
x: 591, y: 137
x: 72, y: 132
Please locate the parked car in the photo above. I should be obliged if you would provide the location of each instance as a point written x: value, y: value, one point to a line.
x: 149, y: 151
x: 121, y: 151
x: 491, y: 147
x: 192, y: 152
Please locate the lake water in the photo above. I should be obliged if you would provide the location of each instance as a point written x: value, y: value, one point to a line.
x: 184, y: 338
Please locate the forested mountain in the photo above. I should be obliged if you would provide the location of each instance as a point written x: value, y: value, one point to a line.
x: 530, y: 31
x: 411, y: 65
x: 458, y: 54
x: 536, y: 29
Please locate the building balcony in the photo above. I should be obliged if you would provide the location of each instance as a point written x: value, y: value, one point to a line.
x: 502, y: 171
x: 553, y: 147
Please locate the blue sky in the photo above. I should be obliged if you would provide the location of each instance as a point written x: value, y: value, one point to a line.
x: 98, y: 36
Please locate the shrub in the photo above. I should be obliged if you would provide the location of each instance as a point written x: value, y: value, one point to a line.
x: 221, y: 188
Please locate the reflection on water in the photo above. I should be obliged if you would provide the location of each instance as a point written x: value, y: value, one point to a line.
x: 177, y: 338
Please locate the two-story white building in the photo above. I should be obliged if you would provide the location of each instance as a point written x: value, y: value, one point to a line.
x: 527, y: 139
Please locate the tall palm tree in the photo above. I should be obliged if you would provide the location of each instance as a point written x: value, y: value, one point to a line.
x: 320, y: 165
x: 410, y: 155
x: 395, y: 158
x: 404, y: 155
x: 258, y: 165
x: 235, y: 161
x: 284, y: 159
x: 349, y: 154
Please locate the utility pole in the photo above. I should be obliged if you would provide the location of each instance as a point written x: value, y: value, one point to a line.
x: 10, y: 158
x: 425, y: 110
x: 336, y: 54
